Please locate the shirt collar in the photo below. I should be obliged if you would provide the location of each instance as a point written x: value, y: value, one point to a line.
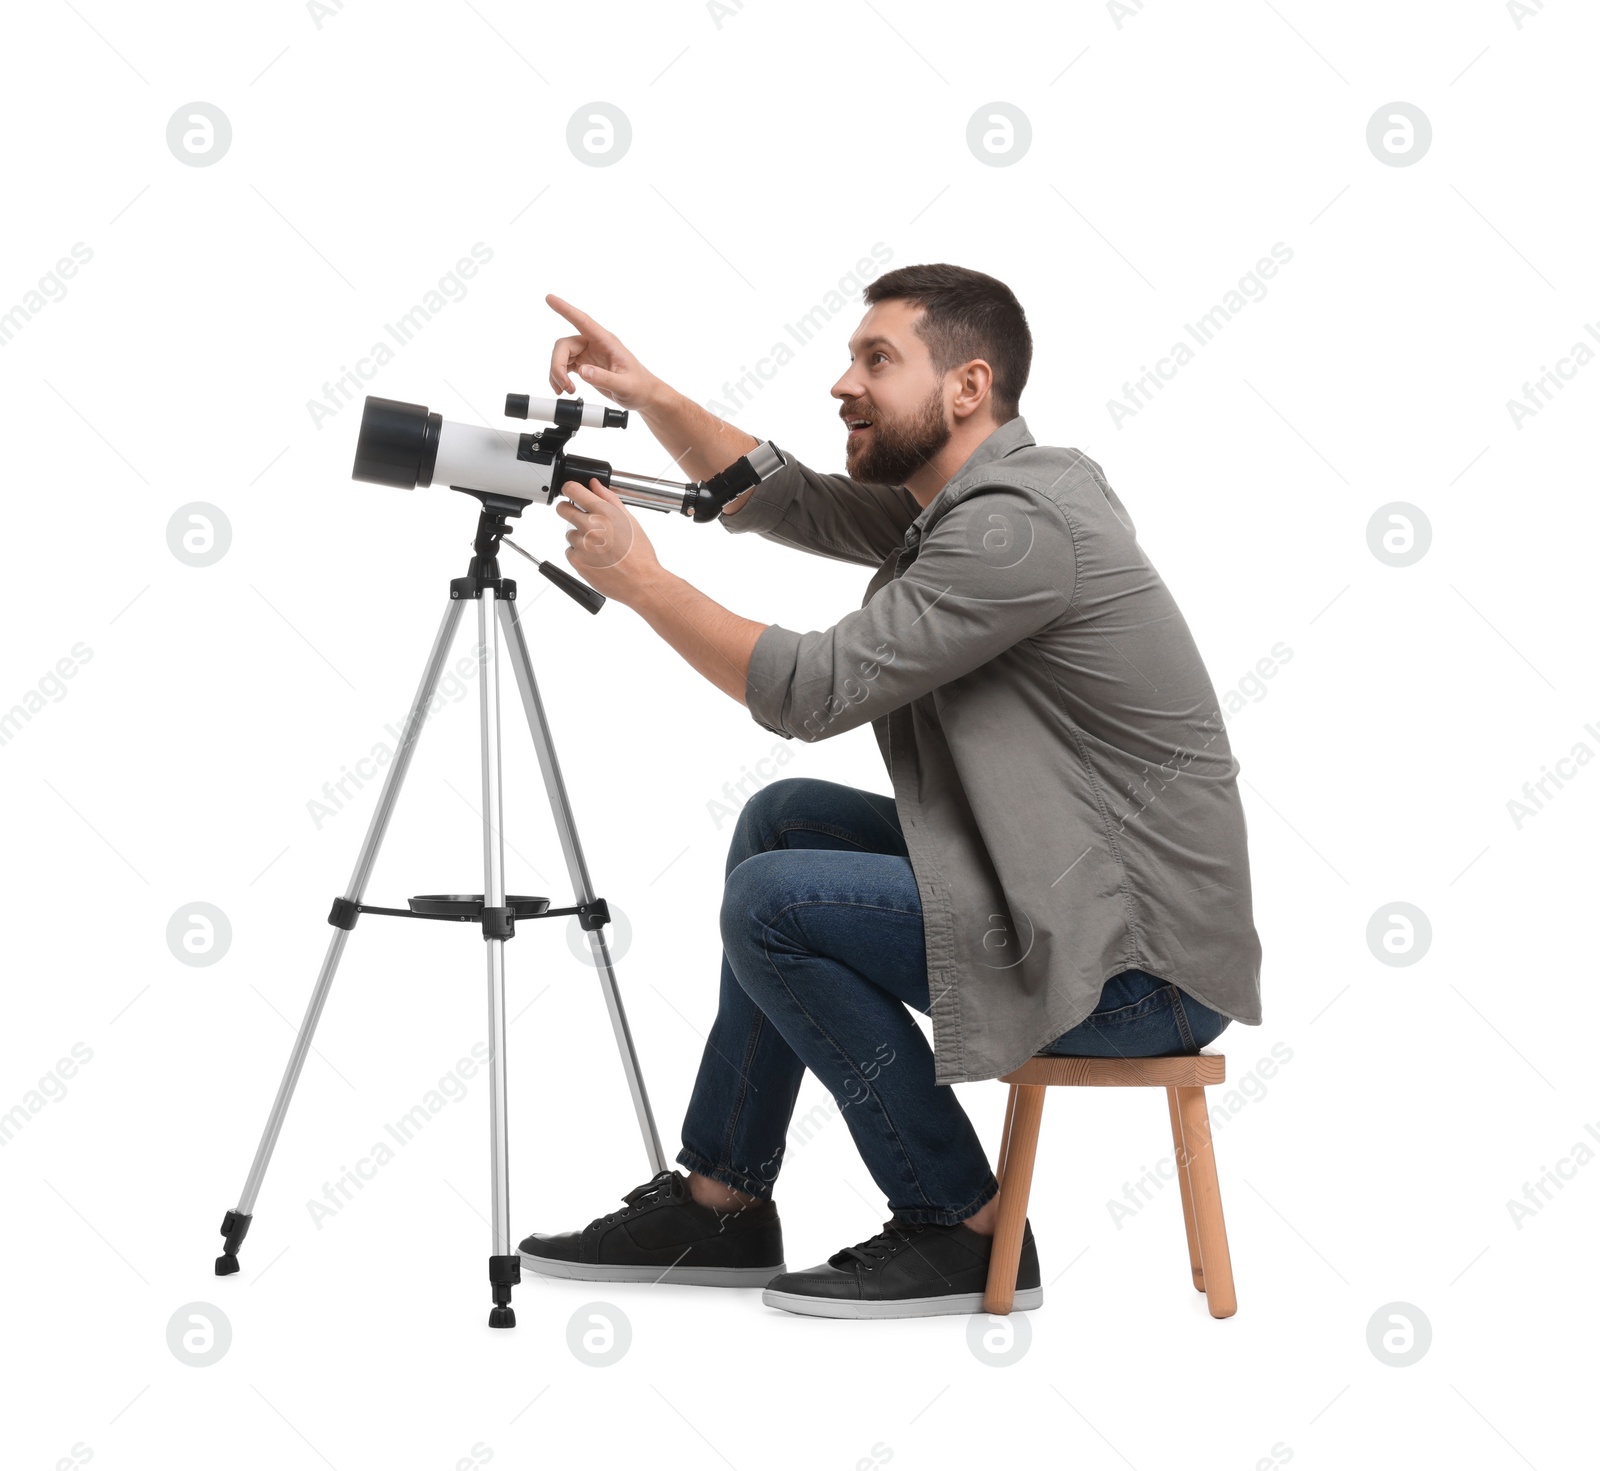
x: 1010, y: 436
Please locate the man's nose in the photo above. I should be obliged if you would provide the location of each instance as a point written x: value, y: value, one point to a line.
x: 847, y: 387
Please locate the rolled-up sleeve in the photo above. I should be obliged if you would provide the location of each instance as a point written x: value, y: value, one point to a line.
x: 830, y: 515
x: 993, y: 569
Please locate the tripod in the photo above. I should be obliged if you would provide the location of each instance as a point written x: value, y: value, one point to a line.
x: 495, y: 911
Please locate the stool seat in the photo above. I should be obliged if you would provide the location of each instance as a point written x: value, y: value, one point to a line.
x: 1199, y: 1071
x: 1186, y: 1080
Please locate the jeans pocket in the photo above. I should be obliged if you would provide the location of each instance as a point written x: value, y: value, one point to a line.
x: 1180, y: 1020
x: 1202, y: 1023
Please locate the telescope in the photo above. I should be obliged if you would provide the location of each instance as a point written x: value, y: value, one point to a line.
x: 406, y: 446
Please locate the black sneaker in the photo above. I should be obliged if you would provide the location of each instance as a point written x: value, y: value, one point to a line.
x: 905, y: 1271
x: 664, y: 1235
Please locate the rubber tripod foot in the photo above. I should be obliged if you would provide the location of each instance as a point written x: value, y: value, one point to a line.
x: 504, y: 1274
x: 234, y: 1226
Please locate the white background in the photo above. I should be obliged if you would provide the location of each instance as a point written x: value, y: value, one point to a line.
x: 769, y: 152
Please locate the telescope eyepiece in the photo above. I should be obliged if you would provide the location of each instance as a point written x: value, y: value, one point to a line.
x: 569, y: 413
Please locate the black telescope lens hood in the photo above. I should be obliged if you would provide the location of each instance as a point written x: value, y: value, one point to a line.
x: 397, y: 445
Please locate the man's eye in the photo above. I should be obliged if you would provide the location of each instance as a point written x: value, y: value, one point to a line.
x: 879, y: 354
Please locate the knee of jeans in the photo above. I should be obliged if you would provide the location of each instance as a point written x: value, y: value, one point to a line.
x: 761, y: 812
x: 771, y: 801
x: 751, y: 895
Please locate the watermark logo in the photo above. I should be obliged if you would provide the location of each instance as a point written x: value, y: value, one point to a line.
x: 1121, y: 10
x: 198, y: 134
x: 451, y: 1088
x: 199, y: 934
x: 451, y: 690
x: 766, y: 770
x: 1538, y: 791
x: 804, y: 330
x: 1138, y: 393
x: 1399, y: 934
x: 1538, y: 393
x: 851, y: 692
x: 806, y: 1127
x: 52, y: 287
x: 1399, y: 1334
x: 1399, y: 534
x: 618, y: 936
x: 1009, y: 940
x: 1536, y: 1195
x: 599, y: 134
x: 599, y: 1334
x: 1000, y: 538
x: 198, y: 1334
x: 1251, y: 689
x: 998, y: 1342
x: 999, y: 134
x: 402, y: 332
x: 321, y: 10
x: 51, y: 1088
x: 1251, y: 1088
x: 49, y: 687
x: 1521, y: 10
x: 199, y: 534
x: 1399, y: 134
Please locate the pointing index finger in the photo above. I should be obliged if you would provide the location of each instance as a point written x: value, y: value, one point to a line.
x: 581, y: 320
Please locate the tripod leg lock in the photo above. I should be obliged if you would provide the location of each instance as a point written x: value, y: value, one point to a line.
x: 504, y: 1274
x: 499, y: 924
x: 344, y: 913
x: 594, y: 914
x: 234, y: 1226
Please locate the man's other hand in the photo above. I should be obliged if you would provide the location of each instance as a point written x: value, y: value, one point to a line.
x: 605, y: 545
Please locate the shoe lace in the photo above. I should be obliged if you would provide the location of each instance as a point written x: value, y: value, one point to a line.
x: 664, y: 1185
x: 877, y: 1249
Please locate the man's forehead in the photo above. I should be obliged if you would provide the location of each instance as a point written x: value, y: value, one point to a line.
x: 880, y: 329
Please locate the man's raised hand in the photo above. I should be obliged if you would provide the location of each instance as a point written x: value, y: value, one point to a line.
x: 598, y: 359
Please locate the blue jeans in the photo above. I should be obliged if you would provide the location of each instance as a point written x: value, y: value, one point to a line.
x: 822, y: 954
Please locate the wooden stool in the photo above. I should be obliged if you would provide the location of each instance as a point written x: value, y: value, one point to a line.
x: 1186, y: 1080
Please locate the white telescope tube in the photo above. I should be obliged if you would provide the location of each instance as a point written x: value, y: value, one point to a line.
x: 486, y: 459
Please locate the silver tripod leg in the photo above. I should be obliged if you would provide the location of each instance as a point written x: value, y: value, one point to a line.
x: 494, y: 897
x: 238, y: 1220
x: 561, y: 809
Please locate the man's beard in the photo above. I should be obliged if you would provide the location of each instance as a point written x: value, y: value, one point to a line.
x: 895, y: 449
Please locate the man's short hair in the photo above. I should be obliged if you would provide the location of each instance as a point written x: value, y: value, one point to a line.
x: 966, y: 315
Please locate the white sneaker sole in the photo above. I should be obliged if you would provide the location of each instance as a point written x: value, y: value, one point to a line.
x: 1027, y: 1299
x: 679, y: 1276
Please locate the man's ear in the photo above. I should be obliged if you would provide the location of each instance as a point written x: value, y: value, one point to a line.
x: 974, y: 384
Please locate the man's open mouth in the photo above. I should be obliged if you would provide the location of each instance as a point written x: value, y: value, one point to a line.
x: 857, y: 426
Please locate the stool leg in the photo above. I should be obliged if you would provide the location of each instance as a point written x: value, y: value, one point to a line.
x: 1005, y: 1135
x: 1186, y: 1191
x: 1213, y: 1234
x: 1022, y: 1139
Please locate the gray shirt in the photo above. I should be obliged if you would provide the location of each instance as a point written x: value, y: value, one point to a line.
x: 1060, y: 766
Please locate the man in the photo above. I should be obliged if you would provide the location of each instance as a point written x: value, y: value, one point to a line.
x: 1062, y: 866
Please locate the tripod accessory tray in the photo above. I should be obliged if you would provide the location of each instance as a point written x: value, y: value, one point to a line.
x: 470, y: 906
x: 498, y: 924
